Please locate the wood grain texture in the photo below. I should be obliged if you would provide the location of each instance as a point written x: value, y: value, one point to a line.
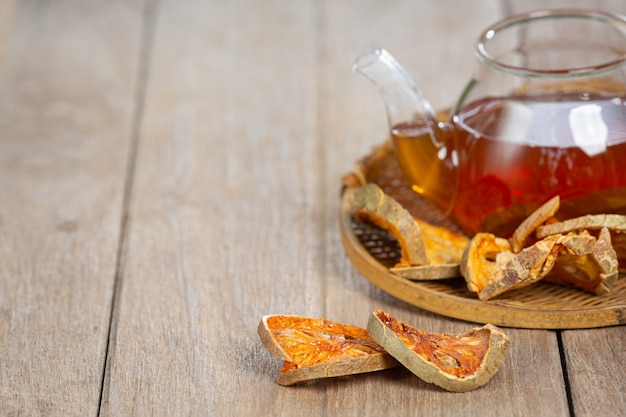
x: 224, y: 209
x: 66, y: 108
x: 595, y: 367
x: 220, y: 228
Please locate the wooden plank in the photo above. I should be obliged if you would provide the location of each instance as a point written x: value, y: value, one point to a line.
x: 595, y: 366
x: 67, y: 96
x: 224, y: 221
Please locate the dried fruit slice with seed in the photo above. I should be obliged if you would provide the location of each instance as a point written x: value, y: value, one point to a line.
x: 314, y: 348
x: 455, y: 362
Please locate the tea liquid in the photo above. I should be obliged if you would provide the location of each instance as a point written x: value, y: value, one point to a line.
x: 513, y: 154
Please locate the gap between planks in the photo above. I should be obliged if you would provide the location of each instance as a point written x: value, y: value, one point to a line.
x: 143, y: 71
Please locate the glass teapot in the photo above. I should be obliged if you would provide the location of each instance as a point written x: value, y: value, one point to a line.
x: 544, y: 116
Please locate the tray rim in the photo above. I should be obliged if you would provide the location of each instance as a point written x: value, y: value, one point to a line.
x: 473, y: 310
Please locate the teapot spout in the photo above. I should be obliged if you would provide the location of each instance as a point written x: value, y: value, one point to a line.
x: 404, y: 102
x: 424, y: 148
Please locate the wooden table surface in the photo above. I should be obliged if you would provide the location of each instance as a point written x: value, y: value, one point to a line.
x: 170, y: 173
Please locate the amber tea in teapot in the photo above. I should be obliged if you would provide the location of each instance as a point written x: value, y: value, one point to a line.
x: 514, y: 173
x: 556, y: 126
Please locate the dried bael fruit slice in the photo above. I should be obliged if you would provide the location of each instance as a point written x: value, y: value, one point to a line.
x: 443, y: 246
x: 490, y: 265
x: 615, y: 223
x: 586, y: 263
x: 371, y: 204
x: 314, y: 348
x: 427, y: 272
x: 618, y: 240
x: 532, y: 222
x: 520, y: 270
x: 483, y: 259
x: 455, y: 362
x: 444, y: 249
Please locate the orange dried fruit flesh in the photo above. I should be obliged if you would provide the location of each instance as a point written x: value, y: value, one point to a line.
x: 455, y: 362
x: 443, y: 246
x: 444, y: 249
x: 314, y: 348
x: 590, y: 265
x: 483, y: 259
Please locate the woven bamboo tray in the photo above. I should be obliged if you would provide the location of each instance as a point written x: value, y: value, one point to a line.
x: 541, y: 306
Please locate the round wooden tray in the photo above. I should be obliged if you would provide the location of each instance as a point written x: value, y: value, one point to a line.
x: 540, y: 306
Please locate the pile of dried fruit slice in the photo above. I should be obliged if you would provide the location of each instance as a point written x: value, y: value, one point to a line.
x: 319, y: 348
x: 563, y: 253
x: 586, y: 253
x: 314, y: 348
